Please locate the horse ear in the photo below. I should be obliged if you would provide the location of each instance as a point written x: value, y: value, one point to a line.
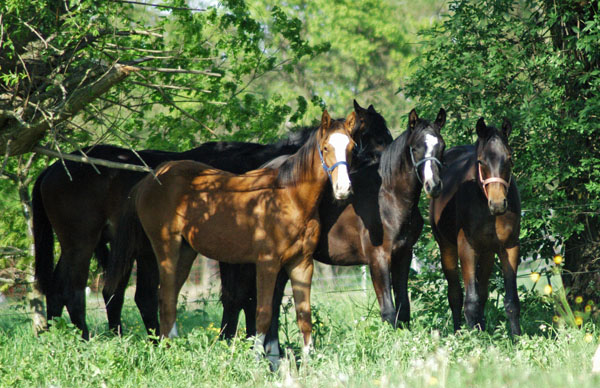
x: 482, y: 129
x: 351, y: 123
x: 441, y: 118
x: 506, y: 127
x: 371, y: 109
x: 412, y: 119
x: 357, y: 107
x: 325, y: 121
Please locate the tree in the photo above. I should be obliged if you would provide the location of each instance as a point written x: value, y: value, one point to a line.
x: 537, y: 63
x: 170, y: 76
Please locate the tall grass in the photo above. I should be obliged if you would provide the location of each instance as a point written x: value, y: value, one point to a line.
x: 353, y: 348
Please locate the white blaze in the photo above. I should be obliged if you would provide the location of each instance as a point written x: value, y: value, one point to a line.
x: 341, y: 188
x: 430, y: 143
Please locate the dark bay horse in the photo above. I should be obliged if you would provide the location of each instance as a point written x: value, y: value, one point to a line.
x: 377, y: 226
x: 476, y: 217
x: 267, y: 217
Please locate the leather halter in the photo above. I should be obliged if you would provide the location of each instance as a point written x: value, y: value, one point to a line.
x: 329, y: 170
x: 420, y: 162
x: 485, y: 182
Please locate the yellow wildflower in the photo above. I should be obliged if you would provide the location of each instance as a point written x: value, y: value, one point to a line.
x: 548, y: 289
x: 558, y: 259
x: 534, y: 276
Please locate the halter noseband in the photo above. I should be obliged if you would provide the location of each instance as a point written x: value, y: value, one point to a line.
x: 420, y: 162
x: 485, y: 182
x: 329, y: 170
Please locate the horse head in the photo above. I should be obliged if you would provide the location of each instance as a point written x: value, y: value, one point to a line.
x: 426, y: 147
x: 494, y: 164
x: 372, y: 134
x: 335, y: 145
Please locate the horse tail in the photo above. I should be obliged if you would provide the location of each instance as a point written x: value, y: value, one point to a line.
x: 126, y: 245
x: 43, y: 239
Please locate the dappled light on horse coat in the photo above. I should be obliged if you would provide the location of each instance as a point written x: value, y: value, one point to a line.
x: 268, y: 217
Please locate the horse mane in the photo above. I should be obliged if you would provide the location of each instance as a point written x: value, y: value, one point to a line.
x: 296, y: 167
x: 391, y: 157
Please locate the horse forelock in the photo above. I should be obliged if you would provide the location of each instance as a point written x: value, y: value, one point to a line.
x: 495, y: 145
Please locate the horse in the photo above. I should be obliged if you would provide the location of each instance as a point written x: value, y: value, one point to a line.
x: 267, y: 216
x: 377, y: 226
x: 82, y: 205
x: 476, y: 217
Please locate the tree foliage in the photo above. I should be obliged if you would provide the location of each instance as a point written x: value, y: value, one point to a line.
x: 537, y: 63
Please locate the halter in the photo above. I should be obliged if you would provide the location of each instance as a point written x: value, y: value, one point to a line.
x: 420, y: 162
x: 329, y: 170
x: 485, y: 182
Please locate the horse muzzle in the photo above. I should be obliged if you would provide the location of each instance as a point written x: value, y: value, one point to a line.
x: 433, y: 189
x: 497, y: 208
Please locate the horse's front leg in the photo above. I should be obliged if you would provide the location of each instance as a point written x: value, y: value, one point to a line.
x: 468, y: 263
x: 379, y: 265
x: 485, y: 265
x: 167, y: 256
x: 266, y: 275
x: 401, y: 260
x: 509, y: 257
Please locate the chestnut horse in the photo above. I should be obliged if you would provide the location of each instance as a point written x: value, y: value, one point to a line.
x: 377, y: 226
x: 476, y: 217
x: 268, y: 217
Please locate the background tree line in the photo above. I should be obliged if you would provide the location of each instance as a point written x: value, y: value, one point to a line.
x: 175, y: 74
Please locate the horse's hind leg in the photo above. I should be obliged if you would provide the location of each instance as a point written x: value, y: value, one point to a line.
x: 70, y: 279
x: 146, y: 291
x: 509, y: 258
x: 455, y: 293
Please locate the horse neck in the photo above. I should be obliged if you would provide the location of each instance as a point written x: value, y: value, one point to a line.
x: 311, y: 185
x: 404, y: 181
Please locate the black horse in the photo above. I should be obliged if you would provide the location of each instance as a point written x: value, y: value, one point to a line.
x: 476, y: 217
x: 84, y: 210
x: 377, y: 226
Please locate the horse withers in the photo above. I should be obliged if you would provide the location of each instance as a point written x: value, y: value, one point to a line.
x: 267, y: 217
x: 476, y: 217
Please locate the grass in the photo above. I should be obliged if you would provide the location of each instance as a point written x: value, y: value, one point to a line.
x: 352, y: 349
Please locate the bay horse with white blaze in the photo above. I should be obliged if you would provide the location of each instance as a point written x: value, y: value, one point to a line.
x: 377, y: 226
x: 268, y: 217
x: 476, y: 217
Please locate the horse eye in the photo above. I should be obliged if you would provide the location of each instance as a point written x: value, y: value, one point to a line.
x: 326, y: 149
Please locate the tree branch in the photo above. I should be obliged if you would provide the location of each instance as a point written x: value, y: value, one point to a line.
x: 25, y: 136
x: 89, y: 160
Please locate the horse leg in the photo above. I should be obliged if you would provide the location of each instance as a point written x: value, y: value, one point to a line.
x: 379, y: 265
x: 167, y: 256
x: 455, y: 294
x: 114, y: 304
x: 468, y: 264
x: 272, y: 348
x: 248, y: 297
x: 266, y: 276
x: 484, y: 270
x: 300, y: 271
x: 400, y: 270
x: 71, y: 276
x: 231, y: 275
x: 509, y: 257
x: 146, y: 291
